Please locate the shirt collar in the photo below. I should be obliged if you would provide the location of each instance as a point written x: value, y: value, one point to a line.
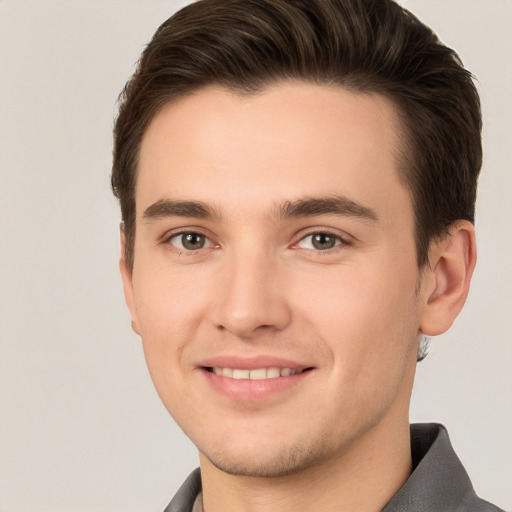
x: 438, y: 481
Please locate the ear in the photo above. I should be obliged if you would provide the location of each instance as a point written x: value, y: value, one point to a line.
x: 126, y: 275
x: 447, y: 278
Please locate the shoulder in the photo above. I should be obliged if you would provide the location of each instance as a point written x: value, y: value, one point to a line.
x: 476, y: 504
x: 439, y: 482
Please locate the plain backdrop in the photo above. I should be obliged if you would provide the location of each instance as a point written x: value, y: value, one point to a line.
x: 81, y: 428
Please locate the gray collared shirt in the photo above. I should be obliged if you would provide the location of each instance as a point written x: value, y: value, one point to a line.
x: 438, y: 483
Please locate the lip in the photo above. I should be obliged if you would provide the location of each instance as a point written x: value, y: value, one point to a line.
x: 247, y: 390
x: 252, y: 363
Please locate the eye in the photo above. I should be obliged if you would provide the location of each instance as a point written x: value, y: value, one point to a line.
x: 189, y: 241
x: 320, y: 241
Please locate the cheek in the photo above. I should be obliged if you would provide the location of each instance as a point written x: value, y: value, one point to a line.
x: 169, y: 309
x: 367, y: 318
x: 168, y: 301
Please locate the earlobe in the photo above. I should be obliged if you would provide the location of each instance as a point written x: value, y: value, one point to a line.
x: 452, y: 261
x: 126, y: 275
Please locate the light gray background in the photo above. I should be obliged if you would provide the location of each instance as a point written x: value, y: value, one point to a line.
x: 81, y: 428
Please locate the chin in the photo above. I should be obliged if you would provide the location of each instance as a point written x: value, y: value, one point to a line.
x: 281, y: 462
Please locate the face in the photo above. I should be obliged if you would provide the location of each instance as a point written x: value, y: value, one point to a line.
x: 275, y: 284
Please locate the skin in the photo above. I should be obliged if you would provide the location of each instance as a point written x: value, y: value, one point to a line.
x: 351, y: 310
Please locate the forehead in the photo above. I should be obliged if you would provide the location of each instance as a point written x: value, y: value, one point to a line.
x: 289, y: 140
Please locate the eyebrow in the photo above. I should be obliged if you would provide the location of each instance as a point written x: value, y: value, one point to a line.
x: 172, y: 208
x: 337, y: 205
x: 305, y: 207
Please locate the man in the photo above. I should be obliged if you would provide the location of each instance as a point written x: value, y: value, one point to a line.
x: 297, y: 183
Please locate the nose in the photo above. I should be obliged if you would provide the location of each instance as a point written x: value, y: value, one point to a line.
x: 251, y: 297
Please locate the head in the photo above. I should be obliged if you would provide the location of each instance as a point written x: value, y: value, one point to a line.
x: 288, y: 172
x: 365, y: 46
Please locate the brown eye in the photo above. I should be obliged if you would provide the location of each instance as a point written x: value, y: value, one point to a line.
x: 320, y: 241
x: 189, y: 241
x: 192, y: 241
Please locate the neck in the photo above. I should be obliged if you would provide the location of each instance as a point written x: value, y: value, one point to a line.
x: 364, y: 478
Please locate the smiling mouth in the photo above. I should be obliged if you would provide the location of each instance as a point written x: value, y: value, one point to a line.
x: 255, y: 374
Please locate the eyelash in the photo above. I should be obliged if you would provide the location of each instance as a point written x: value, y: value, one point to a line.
x: 340, y: 241
x: 176, y: 235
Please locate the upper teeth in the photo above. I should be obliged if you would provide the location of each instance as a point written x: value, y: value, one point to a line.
x: 258, y: 374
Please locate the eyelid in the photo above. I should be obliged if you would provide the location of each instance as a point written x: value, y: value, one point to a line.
x: 344, y: 239
x: 174, y: 233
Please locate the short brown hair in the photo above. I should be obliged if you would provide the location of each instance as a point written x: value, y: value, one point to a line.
x: 362, y: 45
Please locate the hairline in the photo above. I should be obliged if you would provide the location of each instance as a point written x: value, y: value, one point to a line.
x: 403, y: 152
